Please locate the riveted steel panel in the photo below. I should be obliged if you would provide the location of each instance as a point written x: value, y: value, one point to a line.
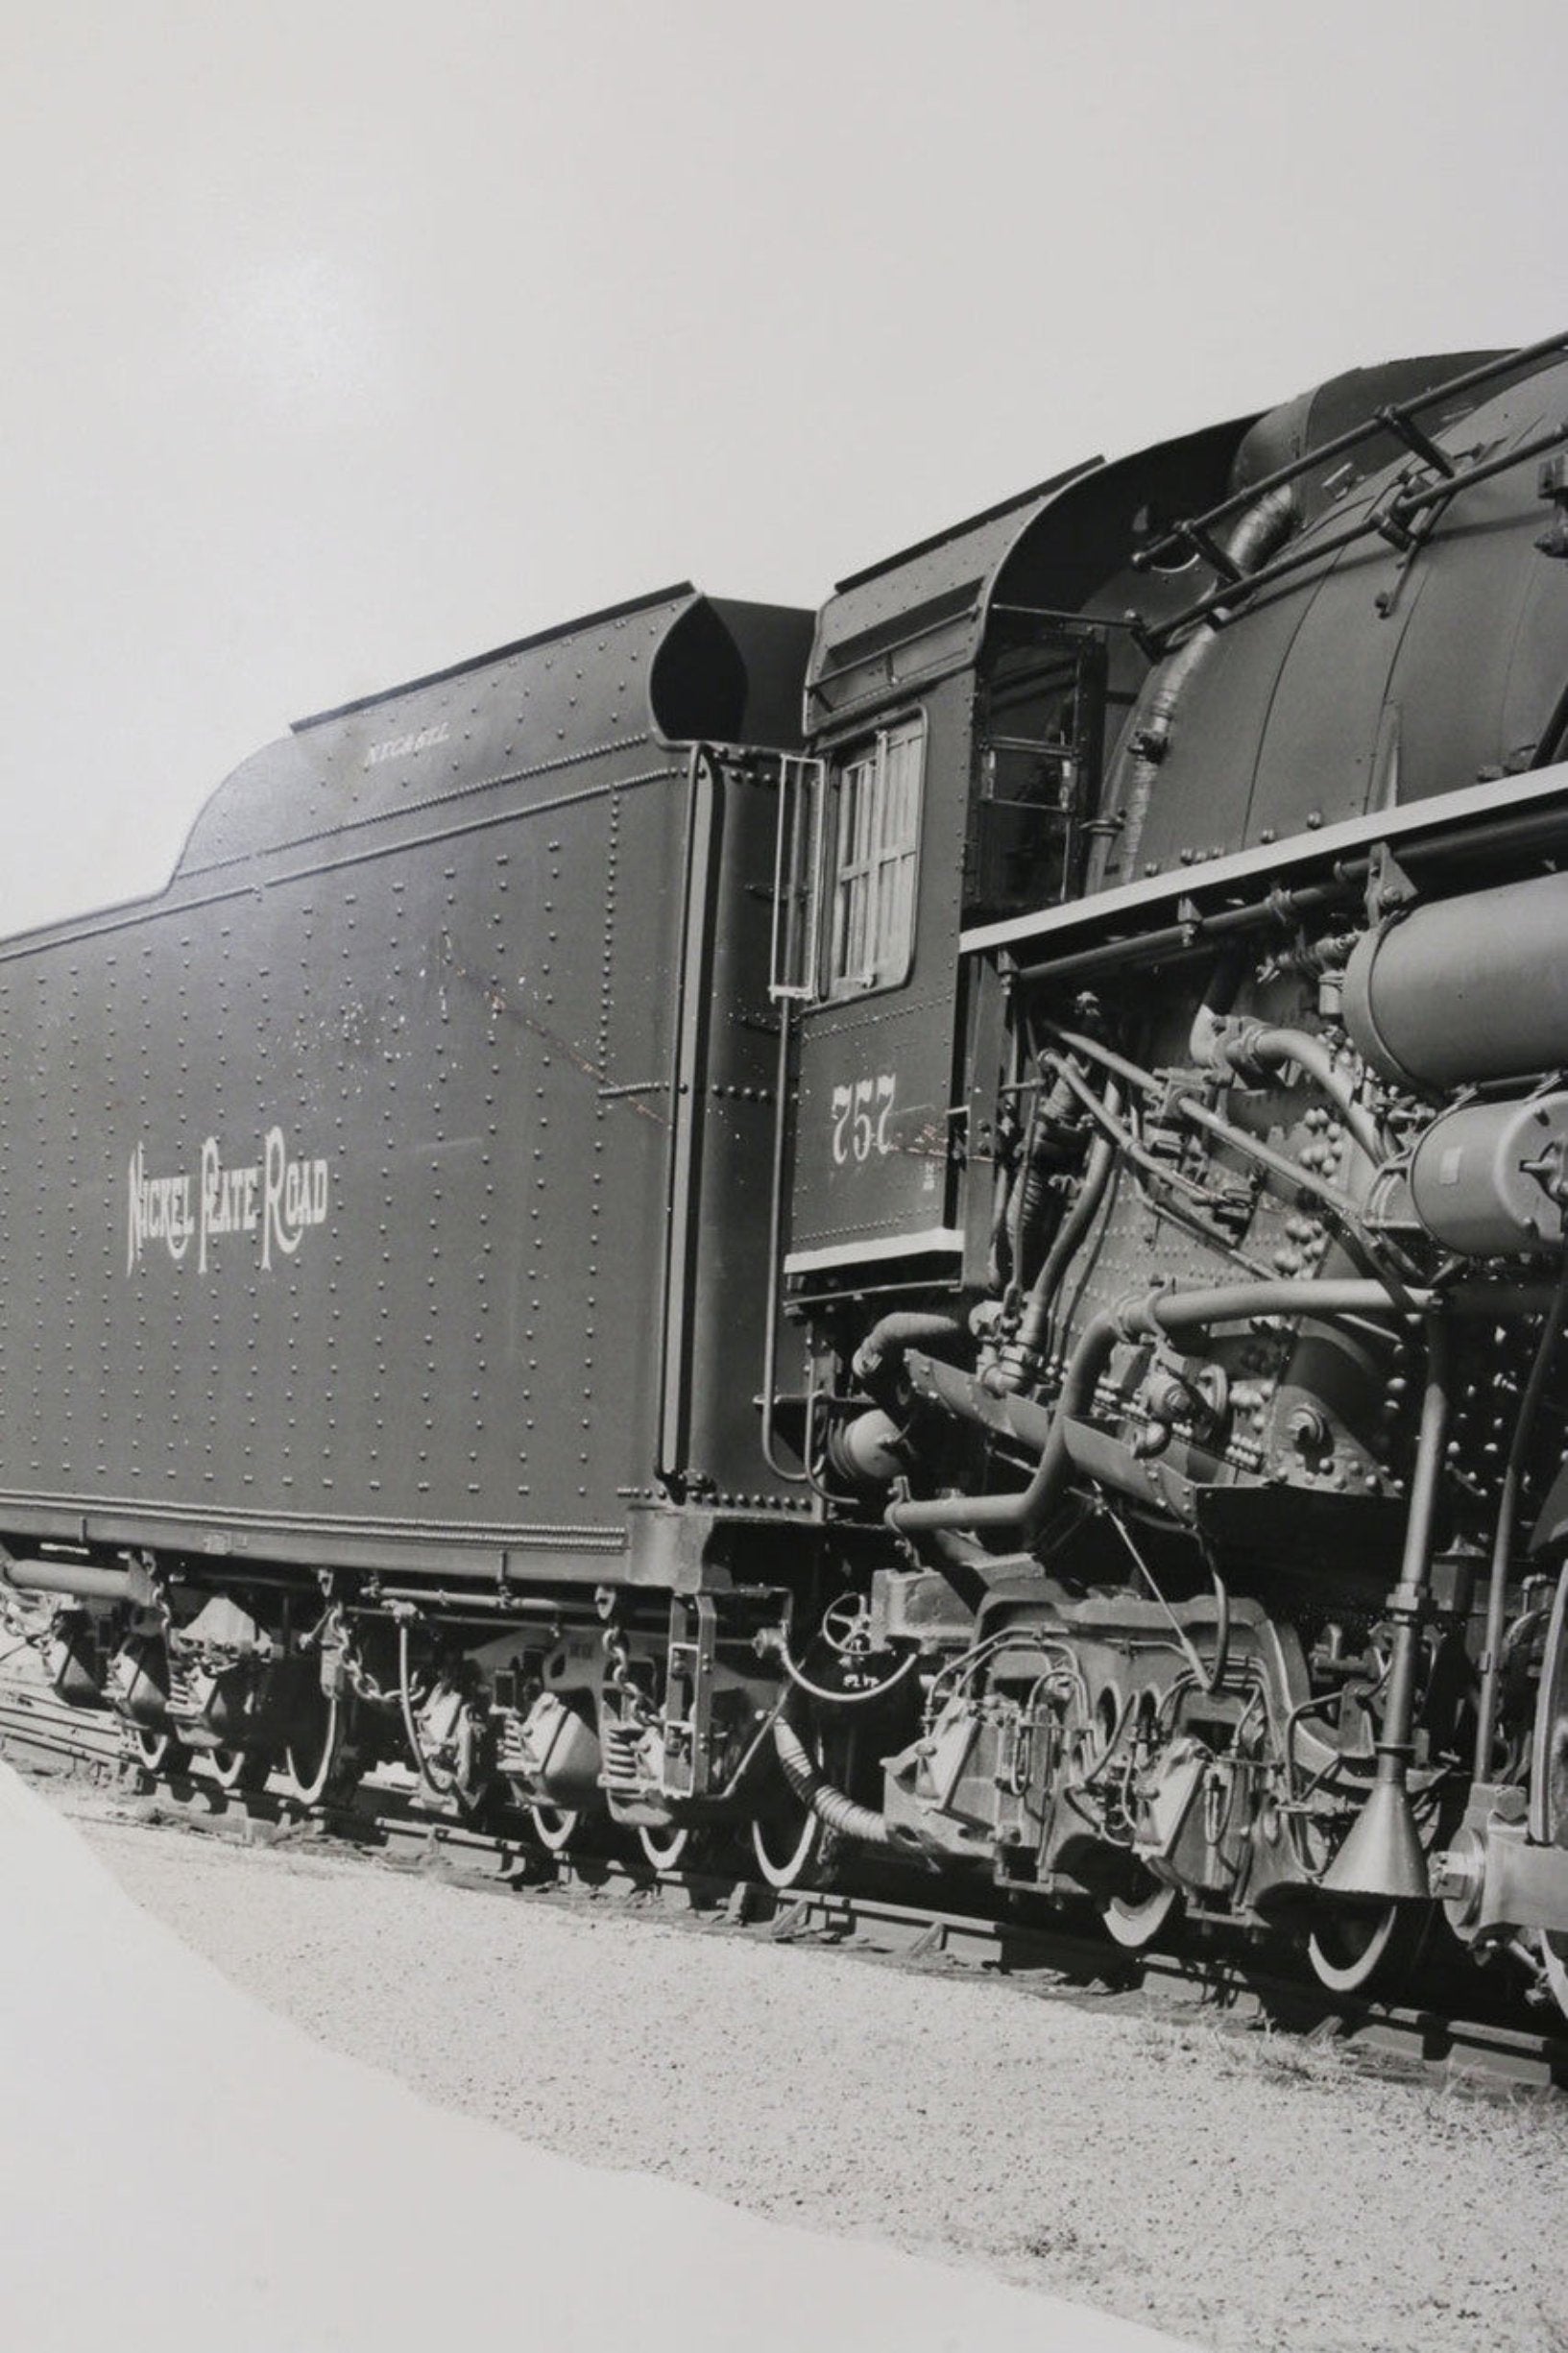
x: 333, y: 1181
x: 1381, y: 677
x: 537, y: 709
x: 871, y: 1156
x: 348, y: 1201
x: 876, y: 1072
x: 918, y: 615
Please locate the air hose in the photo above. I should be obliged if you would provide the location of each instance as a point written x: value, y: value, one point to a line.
x: 830, y: 1806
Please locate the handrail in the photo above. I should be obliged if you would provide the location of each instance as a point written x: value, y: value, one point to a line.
x: 1385, y: 520
x: 1390, y: 419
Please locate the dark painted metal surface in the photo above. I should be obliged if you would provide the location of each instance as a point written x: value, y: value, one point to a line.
x: 879, y: 1158
x: 332, y: 1199
x: 872, y: 1141
x: 1380, y: 675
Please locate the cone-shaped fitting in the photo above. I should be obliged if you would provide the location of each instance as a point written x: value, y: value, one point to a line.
x: 1381, y: 1858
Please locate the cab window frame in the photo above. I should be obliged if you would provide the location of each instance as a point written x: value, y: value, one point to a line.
x: 870, y: 880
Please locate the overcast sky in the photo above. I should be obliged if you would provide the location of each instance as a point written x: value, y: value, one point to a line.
x: 344, y: 341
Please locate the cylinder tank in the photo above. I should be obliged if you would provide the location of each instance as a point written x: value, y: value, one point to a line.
x: 1466, y: 991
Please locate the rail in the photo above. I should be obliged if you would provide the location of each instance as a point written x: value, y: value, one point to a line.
x: 872, y: 1920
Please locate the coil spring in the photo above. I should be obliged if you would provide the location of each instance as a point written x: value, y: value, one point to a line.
x: 620, y: 1743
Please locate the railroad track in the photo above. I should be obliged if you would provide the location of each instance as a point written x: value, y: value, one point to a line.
x: 38, y: 1734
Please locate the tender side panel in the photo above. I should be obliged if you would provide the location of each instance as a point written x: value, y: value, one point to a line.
x: 319, y: 1204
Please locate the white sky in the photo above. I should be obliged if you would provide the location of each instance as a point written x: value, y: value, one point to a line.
x: 344, y: 341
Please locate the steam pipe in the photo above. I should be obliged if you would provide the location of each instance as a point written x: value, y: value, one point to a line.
x: 80, y: 1580
x: 1024, y: 1512
x: 1312, y: 459
x: 1186, y: 1198
x: 1393, y: 1749
x: 1280, y: 908
x: 1091, y: 1192
x: 1233, y: 1045
x: 1382, y: 1859
x: 1312, y: 1055
x: 1290, y: 1173
x: 1265, y: 526
x: 1197, y: 932
x: 1052, y: 1144
x: 879, y: 1358
x: 1161, y: 1312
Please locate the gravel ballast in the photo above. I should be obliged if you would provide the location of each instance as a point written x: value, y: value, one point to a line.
x: 1241, y: 2190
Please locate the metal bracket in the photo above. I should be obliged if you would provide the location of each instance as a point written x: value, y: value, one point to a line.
x: 1552, y: 482
x: 1389, y: 886
x: 689, y: 1694
x: 1495, y: 1880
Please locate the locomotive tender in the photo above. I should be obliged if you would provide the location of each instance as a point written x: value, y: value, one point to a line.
x: 940, y: 1226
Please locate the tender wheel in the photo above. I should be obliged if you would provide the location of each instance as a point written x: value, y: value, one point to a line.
x: 156, y: 1751
x: 239, y: 1768
x: 318, y: 1761
x: 557, y: 1827
x: 1354, y: 1951
x: 791, y: 1851
x: 667, y: 1848
x: 1134, y: 1921
x: 793, y: 1846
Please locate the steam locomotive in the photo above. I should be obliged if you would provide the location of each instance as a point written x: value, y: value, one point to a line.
x: 936, y: 1226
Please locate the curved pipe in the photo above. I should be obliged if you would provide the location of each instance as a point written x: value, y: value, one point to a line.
x: 1161, y: 1312
x: 1244, y: 1046
x: 1185, y: 1198
x: 1024, y: 1512
x: 879, y: 1360
x: 1031, y: 1331
x: 1052, y: 1144
x: 1289, y: 1172
x: 1262, y: 529
x: 829, y: 1805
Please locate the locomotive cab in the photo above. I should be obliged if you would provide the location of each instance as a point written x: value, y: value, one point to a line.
x: 1158, y: 1341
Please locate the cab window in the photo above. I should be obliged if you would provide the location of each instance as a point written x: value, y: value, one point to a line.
x: 874, y: 844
